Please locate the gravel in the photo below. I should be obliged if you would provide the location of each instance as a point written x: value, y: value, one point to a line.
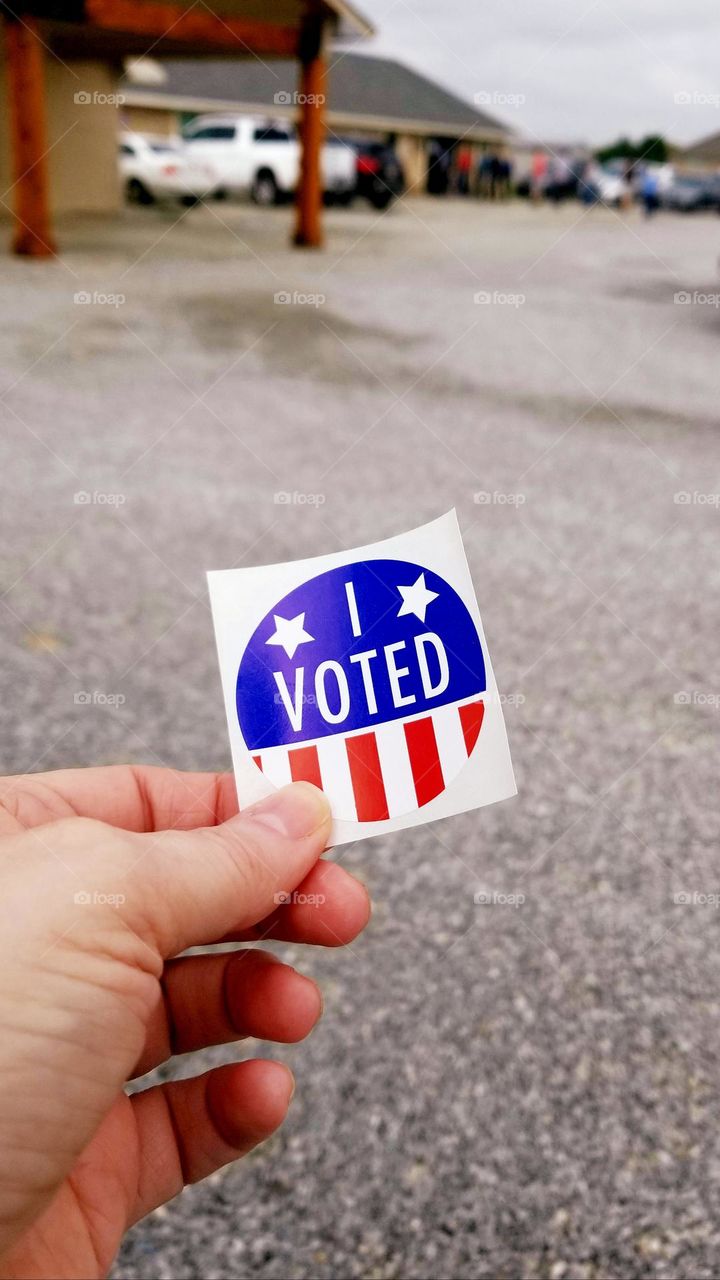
x: 522, y: 1089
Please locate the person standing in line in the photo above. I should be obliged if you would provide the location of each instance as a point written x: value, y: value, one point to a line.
x: 538, y: 176
x: 650, y: 192
x: 463, y: 163
x: 485, y: 169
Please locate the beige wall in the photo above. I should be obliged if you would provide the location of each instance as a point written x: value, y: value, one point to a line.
x: 412, y: 154
x: 82, y: 123
x: 150, y: 120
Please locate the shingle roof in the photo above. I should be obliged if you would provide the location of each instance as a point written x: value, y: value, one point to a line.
x: 706, y: 150
x: 362, y: 86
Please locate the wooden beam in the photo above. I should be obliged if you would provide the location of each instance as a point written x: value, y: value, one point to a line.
x: 26, y: 94
x: 309, y: 198
x: 196, y: 24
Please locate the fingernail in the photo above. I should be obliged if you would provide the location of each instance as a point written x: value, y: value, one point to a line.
x: 292, y: 1084
x: 295, y: 811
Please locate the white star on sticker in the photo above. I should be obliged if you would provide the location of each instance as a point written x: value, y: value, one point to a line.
x: 416, y: 598
x: 289, y: 632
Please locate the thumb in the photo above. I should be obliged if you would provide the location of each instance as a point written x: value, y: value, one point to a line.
x: 189, y: 888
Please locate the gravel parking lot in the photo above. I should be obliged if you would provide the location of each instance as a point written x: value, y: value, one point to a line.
x: 522, y: 1089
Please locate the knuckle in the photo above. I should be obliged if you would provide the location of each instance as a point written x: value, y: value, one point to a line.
x: 247, y: 867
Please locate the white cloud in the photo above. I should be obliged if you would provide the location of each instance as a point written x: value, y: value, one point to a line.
x: 587, y: 70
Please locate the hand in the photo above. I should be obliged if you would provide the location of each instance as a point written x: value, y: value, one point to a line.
x: 105, y: 876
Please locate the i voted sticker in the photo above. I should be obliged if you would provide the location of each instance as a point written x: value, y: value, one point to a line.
x: 368, y: 681
x: 366, y: 674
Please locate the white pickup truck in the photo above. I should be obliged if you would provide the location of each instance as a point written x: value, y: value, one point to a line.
x: 261, y: 159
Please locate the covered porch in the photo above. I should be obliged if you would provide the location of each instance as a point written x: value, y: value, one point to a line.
x: 61, y: 65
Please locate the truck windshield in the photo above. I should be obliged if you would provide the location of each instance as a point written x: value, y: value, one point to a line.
x: 271, y: 134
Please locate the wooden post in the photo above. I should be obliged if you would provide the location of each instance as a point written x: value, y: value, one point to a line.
x: 309, y: 197
x: 26, y: 92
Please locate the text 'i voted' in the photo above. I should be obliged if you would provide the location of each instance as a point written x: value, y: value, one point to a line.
x: 349, y: 660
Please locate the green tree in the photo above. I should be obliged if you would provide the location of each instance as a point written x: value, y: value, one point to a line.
x: 653, y: 148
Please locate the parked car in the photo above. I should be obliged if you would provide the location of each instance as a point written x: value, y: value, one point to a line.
x: 160, y: 169
x: 689, y: 192
x: 262, y: 159
x: 379, y: 175
x: 603, y: 184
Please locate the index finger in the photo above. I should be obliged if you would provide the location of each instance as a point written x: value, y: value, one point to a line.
x: 141, y: 798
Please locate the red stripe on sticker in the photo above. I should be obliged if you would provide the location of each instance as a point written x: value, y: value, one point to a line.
x: 305, y: 766
x: 367, y: 780
x: 424, y: 759
x: 471, y: 718
x: 258, y: 761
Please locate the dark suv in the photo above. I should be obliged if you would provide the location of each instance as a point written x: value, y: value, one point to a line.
x: 380, y: 178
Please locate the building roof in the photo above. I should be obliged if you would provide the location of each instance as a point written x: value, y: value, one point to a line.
x: 705, y: 151
x: 369, y: 92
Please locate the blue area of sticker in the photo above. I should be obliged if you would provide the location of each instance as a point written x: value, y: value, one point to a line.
x: 354, y: 648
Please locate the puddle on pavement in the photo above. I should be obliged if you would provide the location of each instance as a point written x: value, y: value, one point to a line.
x: 303, y: 339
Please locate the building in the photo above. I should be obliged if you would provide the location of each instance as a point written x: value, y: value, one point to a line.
x: 60, y: 65
x: 368, y: 97
x: 704, y: 154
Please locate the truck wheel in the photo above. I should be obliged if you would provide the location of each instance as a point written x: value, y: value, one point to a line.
x: 381, y: 199
x: 339, y: 199
x: 264, y: 190
x: 137, y: 192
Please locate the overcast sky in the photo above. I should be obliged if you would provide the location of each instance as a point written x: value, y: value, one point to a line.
x: 586, y: 70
